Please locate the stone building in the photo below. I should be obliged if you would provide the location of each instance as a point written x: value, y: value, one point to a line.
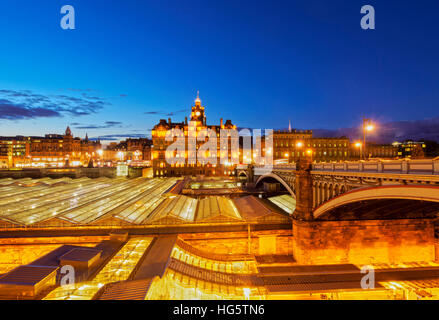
x: 291, y: 145
x: 14, y: 151
x: 52, y: 150
x: 139, y: 149
x: 382, y: 151
x: 197, y: 167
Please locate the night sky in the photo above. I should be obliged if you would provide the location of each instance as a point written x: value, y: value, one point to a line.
x: 260, y: 63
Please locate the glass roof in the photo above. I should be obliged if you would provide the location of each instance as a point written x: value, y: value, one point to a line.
x: 83, y: 201
x: 285, y: 202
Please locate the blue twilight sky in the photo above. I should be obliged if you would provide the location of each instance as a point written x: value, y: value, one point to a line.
x: 260, y: 63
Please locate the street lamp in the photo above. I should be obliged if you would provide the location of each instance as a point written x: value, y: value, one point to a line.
x: 299, y: 146
x: 367, y: 126
x: 359, y: 146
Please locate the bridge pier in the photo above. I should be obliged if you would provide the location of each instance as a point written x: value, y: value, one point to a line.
x: 304, y: 191
x: 353, y: 241
x: 363, y: 241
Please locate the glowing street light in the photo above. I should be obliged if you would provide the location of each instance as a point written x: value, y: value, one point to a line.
x: 299, y: 144
x: 367, y: 127
x: 359, y: 145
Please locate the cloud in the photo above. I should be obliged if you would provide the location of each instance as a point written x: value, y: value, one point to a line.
x: 12, y: 111
x: 173, y: 113
x: 79, y: 90
x: 24, y: 104
x: 106, y: 125
x: 427, y: 129
x: 117, y: 137
x: 167, y: 114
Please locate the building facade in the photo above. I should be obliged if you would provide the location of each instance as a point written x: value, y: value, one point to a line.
x: 191, y: 164
x: 52, y: 150
x: 290, y: 145
x: 14, y: 151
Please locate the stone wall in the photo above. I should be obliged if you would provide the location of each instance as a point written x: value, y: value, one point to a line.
x: 363, y: 242
x: 20, y: 251
x: 280, y: 242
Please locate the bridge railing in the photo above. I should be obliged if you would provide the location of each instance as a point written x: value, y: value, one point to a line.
x: 421, y: 166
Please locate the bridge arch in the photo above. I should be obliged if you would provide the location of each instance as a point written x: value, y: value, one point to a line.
x: 243, y: 174
x: 414, y: 192
x: 279, y: 179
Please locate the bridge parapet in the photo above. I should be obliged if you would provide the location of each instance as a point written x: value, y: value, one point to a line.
x: 330, y: 180
x: 422, y: 166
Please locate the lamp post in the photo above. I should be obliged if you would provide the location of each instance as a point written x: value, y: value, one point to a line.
x: 359, y: 146
x: 367, y: 126
x: 100, y: 153
x: 309, y: 153
x: 299, y: 146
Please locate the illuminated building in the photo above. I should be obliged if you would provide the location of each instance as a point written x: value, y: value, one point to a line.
x: 52, y: 150
x: 411, y: 149
x: 382, y: 151
x: 14, y: 151
x: 139, y: 150
x: 162, y: 168
x: 55, y: 150
x: 291, y: 145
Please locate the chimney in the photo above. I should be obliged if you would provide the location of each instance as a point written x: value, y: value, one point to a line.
x: 169, y: 120
x: 221, y: 122
x: 185, y: 120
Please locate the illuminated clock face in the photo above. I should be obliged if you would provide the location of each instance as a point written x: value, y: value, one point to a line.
x: 198, y: 113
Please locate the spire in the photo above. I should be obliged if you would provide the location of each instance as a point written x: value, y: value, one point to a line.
x: 86, y: 136
x: 198, y: 101
x: 289, y: 126
x: 68, y: 131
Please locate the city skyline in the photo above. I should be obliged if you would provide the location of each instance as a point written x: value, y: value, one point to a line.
x: 320, y: 61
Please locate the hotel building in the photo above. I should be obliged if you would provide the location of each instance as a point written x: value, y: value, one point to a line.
x: 162, y: 168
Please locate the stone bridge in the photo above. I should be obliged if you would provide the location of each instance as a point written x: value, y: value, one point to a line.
x: 316, y: 185
x: 361, y: 212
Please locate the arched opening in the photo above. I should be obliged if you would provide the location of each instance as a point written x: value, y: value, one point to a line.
x: 271, y: 178
x: 386, y: 202
x: 325, y: 192
x: 342, y: 189
x: 336, y: 190
x: 331, y: 191
x: 242, y: 176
